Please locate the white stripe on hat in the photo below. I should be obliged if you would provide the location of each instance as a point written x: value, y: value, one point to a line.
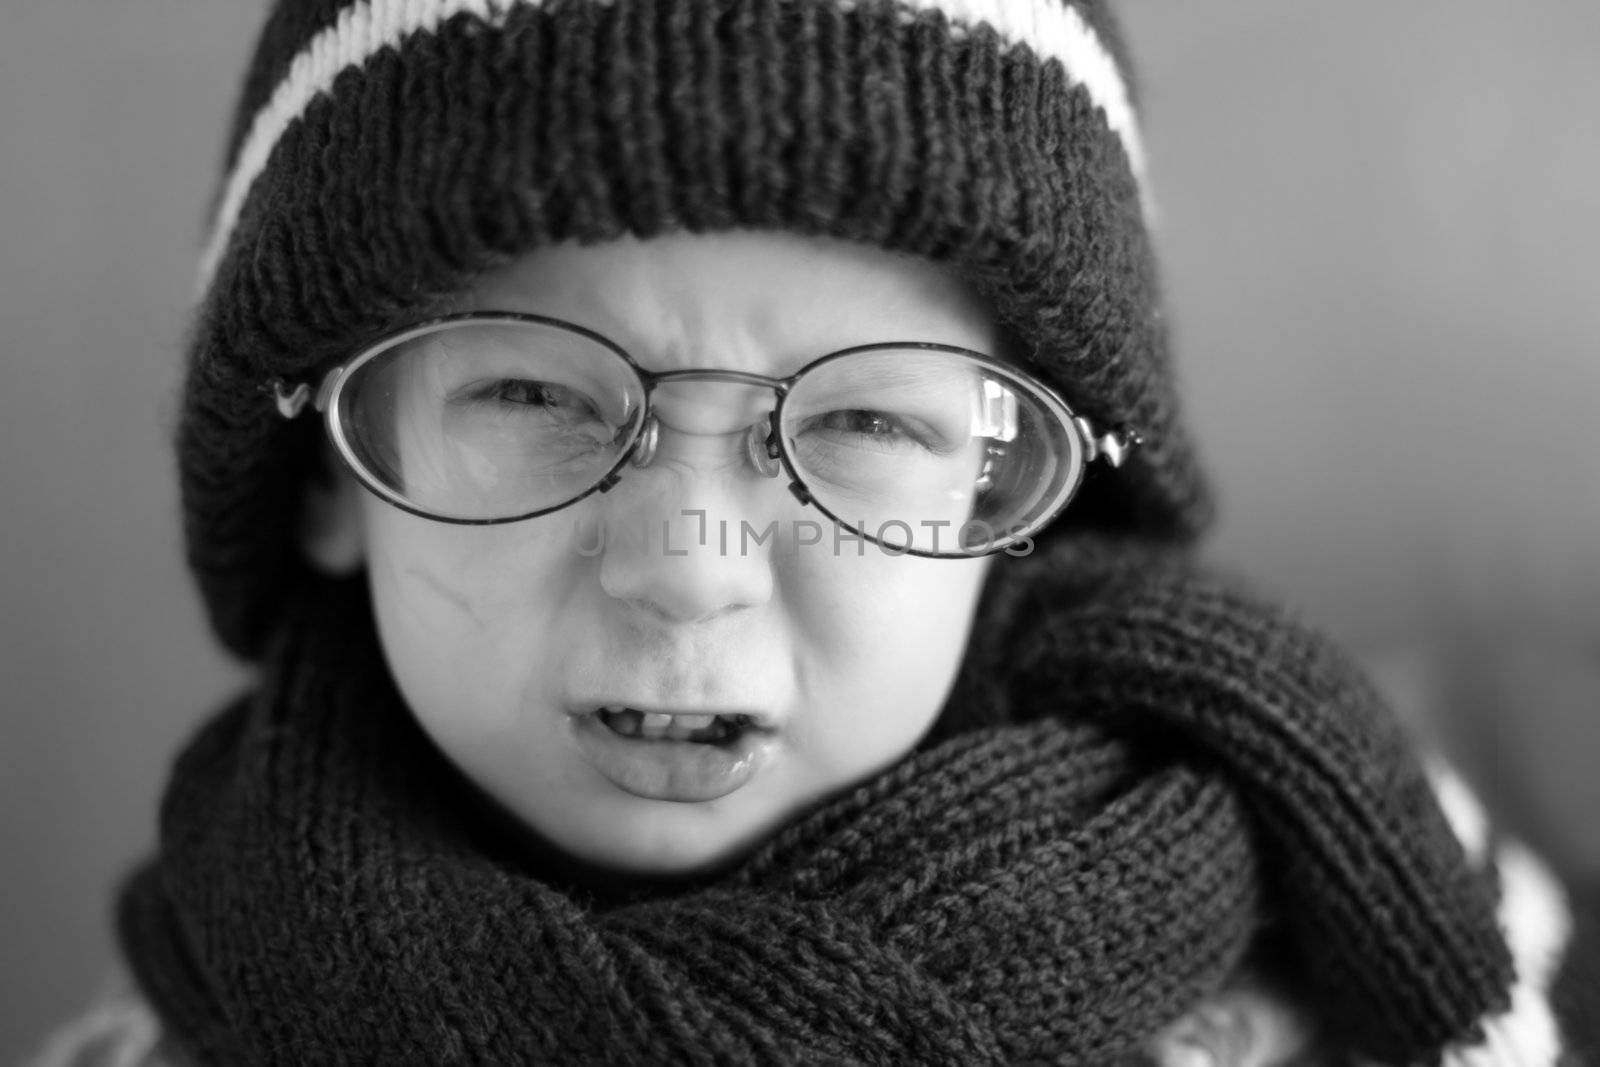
x: 1051, y: 28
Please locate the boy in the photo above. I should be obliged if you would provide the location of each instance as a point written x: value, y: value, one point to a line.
x: 577, y: 402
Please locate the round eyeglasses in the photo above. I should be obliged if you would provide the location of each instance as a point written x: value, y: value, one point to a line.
x: 494, y: 417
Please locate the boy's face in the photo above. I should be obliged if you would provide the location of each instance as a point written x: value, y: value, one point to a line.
x: 508, y: 640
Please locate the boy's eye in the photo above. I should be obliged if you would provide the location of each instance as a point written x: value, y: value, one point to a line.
x: 868, y: 423
x: 555, y: 398
x: 865, y: 426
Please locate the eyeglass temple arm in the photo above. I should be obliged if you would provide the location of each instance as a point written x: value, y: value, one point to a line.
x: 292, y: 399
x: 1113, y: 446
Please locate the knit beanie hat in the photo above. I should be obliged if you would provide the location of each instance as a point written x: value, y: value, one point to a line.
x: 384, y: 152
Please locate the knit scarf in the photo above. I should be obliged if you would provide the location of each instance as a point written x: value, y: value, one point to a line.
x: 1141, y: 777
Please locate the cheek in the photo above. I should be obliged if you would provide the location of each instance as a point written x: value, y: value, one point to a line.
x: 468, y: 615
x: 887, y: 637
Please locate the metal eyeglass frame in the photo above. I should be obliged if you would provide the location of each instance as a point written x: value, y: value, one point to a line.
x: 764, y: 444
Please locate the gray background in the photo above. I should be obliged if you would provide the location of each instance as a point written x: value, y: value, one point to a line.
x: 1380, y: 223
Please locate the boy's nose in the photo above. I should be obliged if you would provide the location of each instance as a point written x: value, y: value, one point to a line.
x: 688, y: 537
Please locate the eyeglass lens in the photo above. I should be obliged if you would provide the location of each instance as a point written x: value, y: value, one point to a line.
x: 925, y: 450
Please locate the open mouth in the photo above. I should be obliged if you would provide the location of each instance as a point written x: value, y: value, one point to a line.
x: 702, y: 729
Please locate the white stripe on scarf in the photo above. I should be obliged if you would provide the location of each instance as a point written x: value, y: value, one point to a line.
x: 1536, y: 924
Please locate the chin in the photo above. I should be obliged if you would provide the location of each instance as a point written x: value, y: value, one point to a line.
x: 661, y: 839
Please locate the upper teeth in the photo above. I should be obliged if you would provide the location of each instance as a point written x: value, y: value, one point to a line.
x: 677, y: 726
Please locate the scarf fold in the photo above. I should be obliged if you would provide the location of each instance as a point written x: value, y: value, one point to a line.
x: 1141, y: 776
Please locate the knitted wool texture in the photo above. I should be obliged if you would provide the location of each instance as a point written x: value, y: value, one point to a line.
x: 384, y: 152
x: 1141, y: 774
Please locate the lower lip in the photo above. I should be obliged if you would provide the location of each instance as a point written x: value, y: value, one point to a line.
x: 682, y: 771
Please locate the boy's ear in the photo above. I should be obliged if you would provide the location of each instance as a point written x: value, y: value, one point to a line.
x: 331, y: 533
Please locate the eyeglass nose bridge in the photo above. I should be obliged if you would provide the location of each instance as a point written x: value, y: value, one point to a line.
x: 761, y: 439
x: 760, y: 445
